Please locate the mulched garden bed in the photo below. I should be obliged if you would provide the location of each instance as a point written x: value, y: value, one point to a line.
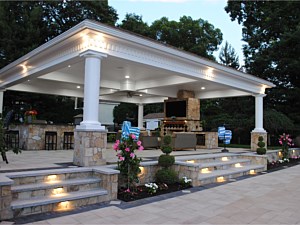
x: 280, y: 164
x: 142, y: 192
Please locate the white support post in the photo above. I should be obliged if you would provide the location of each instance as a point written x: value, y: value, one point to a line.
x: 259, y: 113
x: 140, y: 115
x: 259, y: 130
x: 91, y: 91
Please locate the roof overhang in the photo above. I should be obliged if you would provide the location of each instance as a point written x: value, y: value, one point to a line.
x: 156, y: 71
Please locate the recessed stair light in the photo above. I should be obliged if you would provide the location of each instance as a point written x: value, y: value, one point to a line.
x: 127, y: 76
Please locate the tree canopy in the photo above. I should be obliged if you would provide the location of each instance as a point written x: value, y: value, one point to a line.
x: 195, y: 36
x: 271, y: 30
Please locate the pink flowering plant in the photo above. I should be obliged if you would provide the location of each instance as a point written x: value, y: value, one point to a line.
x: 128, y: 162
x: 286, y: 141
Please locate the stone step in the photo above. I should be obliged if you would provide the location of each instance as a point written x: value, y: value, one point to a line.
x: 27, y: 191
x: 231, y: 173
x: 31, y: 177
x: 65, y: 202
x: 221, y: 165
x: 207, y: 158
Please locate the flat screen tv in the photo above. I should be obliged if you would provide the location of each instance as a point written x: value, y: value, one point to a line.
x: 175, y: 108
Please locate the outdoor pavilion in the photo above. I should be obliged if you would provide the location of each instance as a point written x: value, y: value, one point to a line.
x: 95, y: 61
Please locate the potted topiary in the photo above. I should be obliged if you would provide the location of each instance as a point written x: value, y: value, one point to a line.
x: 166, y: 174
x: 261, y: 150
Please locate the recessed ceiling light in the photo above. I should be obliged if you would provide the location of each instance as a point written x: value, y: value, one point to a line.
x: 127, y: 76
x: 28, y: 80
x: 69, y: 66
x: 78, y: 86
x: 202, y: 88
x: 141, y: 95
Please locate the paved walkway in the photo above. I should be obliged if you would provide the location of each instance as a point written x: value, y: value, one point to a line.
x: 62, y: 158
x: 272, y: 198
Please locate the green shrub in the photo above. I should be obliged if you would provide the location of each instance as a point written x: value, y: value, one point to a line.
x: 261, y: 144
x: 167, y: 140
x: 166, y: 176
x: 261, y: 151
x: 166, y: 149
x: 166, y: 160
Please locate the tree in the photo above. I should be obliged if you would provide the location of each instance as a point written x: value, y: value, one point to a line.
x: 228, y: 56
x: 196, y: 36
x: 271, y: 30
x: 28, y: 24
x: 125, y: 111
x: 135, y: 23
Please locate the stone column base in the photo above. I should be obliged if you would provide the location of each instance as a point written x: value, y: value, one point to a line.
x: 88, y: 148
x: 254, y: 139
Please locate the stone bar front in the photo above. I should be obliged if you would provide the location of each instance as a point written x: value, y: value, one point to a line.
x: 33, y: 136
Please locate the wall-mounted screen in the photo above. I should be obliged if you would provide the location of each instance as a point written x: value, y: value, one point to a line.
x: 175, y: 108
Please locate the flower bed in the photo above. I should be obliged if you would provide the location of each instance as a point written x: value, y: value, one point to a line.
x: 143, y: 191
x: 294, y: 160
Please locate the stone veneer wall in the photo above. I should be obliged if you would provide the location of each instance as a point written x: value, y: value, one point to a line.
x: 254, y: 139
x: 88, y: 148
x: 211, y: 140
x: 5, y: 198
x: 275, y: 155
x: 32, y: 136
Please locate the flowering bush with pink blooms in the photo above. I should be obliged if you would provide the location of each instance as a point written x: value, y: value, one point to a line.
x: 128, y: 162
x: 286, y: 142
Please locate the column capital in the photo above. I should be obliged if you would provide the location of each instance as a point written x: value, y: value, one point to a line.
x: 92, y: 53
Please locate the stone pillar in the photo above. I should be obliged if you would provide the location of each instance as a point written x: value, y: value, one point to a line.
x: 1, y: 101
x: 89, y: 147
x: 91, y: 91
x: 258, y: 130
x: 140, y: 115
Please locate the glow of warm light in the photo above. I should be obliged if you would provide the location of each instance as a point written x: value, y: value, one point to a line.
x: 142, y: 173
x: 205, y: 170
x: 24, y: 68
x: 293, y: 151
x: 252, y: 172
x: 58, y: 191
x: 202, y: 88
x: 78, y: 86
x: 185, y: 121
x: 141, y: 95
x: 220, y: 179
x: 224, y: 159
x: 142, y: 169
x: 237, y: 165
x: 127, y: 77
x: 52, y: 178
x: 279, y: 154
x: 190, y: 161
x: 62, y: 206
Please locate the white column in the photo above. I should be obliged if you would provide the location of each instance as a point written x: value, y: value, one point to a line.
x: 140, y: 115
x: 1, y: 101
x: 91, y: 91
x: 259, y: 113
